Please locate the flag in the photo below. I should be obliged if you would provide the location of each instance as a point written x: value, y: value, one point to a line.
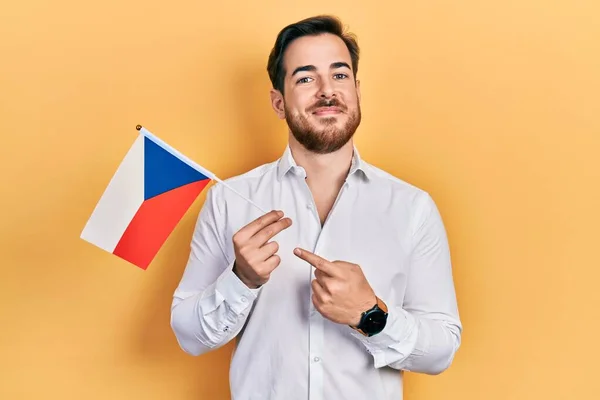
x: 150, y: 192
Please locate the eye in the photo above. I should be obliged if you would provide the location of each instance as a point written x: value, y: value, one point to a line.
x: 340, y: 76
x: 303, y: 80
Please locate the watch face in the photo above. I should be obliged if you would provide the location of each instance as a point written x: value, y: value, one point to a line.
x: 375, y: 322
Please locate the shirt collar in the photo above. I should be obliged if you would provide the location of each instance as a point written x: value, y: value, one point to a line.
x: 287, y: 163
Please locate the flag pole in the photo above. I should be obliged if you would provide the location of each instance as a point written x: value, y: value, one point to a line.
x: 197, y: 167
x: 239, y: 194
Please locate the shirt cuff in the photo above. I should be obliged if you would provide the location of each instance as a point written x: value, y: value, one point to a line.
x: 236, y: 294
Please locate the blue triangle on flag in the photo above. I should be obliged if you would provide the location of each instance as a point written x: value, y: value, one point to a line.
x: 164, y: 171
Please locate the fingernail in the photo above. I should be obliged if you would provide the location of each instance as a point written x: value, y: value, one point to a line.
x: 297, y: 252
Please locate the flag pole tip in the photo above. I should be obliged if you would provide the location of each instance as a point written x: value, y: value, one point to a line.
x: 138, y: 127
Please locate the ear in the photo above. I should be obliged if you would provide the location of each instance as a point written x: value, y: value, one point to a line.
x: 277, y: 103
x: 358, y: 89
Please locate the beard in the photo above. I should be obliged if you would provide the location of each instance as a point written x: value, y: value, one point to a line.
x: 328, y: 138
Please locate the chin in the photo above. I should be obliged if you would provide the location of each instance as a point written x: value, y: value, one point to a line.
x: 331, y: 120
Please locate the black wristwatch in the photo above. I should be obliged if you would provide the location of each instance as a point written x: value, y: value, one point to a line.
x: 373, y: 320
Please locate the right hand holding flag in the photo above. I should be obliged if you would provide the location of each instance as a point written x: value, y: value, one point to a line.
x: 255, y: 259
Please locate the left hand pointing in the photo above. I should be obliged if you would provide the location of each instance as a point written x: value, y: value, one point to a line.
x: 341, y: 292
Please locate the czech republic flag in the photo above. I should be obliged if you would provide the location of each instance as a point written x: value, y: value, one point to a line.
x: 146, y: 198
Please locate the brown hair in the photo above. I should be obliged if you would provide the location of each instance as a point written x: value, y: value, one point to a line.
x: 309, y: 26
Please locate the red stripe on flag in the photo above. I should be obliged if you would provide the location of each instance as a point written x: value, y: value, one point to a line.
x: 154, y: 222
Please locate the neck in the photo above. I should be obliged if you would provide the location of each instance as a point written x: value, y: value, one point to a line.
x: 323, y: 169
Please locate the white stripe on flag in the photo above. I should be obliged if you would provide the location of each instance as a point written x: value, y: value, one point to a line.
x: 120, y: 201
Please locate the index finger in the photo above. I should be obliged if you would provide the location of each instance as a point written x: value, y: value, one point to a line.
x: 317, y: 261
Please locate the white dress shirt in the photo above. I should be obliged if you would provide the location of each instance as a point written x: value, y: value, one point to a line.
x: 284, y: 348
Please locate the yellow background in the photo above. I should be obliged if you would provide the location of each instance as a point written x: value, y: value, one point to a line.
x: 491, y: 106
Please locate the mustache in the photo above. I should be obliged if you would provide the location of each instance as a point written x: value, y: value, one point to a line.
x: 328, y: 103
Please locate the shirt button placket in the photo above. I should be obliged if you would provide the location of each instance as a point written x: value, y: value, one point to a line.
x: 315, y: 320
x: 316, y: 345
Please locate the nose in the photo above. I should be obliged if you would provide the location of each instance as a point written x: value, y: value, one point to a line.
x: 325, y: 90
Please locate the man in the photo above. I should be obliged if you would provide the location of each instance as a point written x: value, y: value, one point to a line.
x: 346, y: 287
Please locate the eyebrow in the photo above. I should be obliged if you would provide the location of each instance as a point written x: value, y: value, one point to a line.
x: 335, y: 65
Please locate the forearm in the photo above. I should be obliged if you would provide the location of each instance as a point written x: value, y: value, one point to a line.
x: 414, y: 343
x: 209, y: 319
x: 424, y: 331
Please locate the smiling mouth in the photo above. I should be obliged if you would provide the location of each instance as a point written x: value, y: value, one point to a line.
x: 327, y: 111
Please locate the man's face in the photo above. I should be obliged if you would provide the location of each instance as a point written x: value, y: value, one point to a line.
x: 321, y: 101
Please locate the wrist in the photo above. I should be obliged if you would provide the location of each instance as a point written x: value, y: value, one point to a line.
x: 366, y: 306
x: 372, y: 320
x: 236, y: 271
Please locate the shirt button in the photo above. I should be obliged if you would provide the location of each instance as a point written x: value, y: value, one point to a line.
x: 309, y: 206
x: 243, y: 299
x: 316, y: 359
